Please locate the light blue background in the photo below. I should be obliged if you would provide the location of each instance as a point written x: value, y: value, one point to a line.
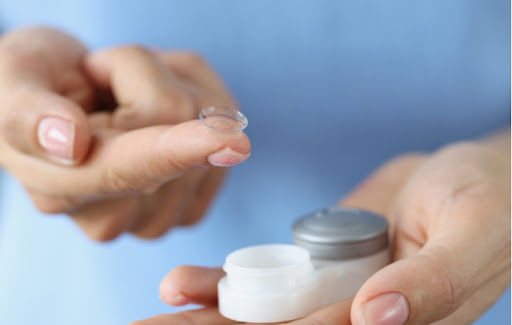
x: 331, y: 88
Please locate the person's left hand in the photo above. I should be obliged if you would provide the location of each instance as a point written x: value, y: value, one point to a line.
x: 449, y: 216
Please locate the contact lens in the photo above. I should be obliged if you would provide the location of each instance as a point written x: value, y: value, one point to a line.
x: 223, y: 119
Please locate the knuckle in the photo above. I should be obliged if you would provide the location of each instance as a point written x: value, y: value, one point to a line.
x: 403, y: 162
x: 150, y: 232
x: 177, y: 166
x: 104, y: 221
x: 51, y: 205
x: 133, y: 51
x: 14, y: 57
x: 48, y: 208
x: 452, y: 288
x: 105, y: 232
x: 192, y: 59
x: 153, y: 225
x: 448, y: 286
x: 409, y: 158
x: 112, y: 180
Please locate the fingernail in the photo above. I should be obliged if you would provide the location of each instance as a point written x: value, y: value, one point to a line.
x: 226, y: 157
x: 57, y: 137
x: 387, y: 309
x: 178, y: 300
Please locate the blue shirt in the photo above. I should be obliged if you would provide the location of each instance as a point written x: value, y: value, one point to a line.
x: 332, y: 89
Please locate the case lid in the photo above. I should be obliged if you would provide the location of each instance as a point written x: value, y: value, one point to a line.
x: 341, y: 233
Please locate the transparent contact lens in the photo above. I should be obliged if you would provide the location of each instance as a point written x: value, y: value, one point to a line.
x: 223, y: 119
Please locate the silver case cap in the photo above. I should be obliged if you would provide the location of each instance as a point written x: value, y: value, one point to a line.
x: 339, y: 233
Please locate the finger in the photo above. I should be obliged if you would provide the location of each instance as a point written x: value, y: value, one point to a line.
x: 164, y: 209
x: 105, y: 220
x: 146, y: 216
x: 194, y: 69
x: 42, y: 124
x: 152, y: 156
x: 202, y: 316
x: 190, y: 284
x: 127, y: 162
x: 337, y: 313
x: 46, y: 58
x: 431, y: 285
x: 182, y: 202
x: 147, y: 92
x: 43, y: 95
x: 204, y: 194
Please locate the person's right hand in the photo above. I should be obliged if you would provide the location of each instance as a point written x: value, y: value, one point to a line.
x: 110, y: 138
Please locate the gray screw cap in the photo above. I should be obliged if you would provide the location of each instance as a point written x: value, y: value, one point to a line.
x: 339, y: 233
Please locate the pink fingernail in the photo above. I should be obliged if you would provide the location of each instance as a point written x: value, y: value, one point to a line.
x: 179, y: 300
x: 57, y: 137
x: 387, y: 309
x: 226, y: 157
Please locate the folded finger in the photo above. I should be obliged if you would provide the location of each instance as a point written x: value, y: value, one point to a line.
x: 164, y: 207
x: 200, y: 198
x: 147, y: 92
x: 194, y: 69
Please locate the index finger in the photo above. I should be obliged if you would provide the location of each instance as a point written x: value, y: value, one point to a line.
x: 124, y: 162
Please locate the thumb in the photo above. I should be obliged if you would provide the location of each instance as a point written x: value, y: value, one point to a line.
x: 426, y: 287
x: 43, y: 124
x: 36, y: 65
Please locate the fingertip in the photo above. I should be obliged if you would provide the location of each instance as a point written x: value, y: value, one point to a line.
x: 199, y: 147
x: 175, y: 300
x: 187, y: 284
x: 172, y: 285
x: 238, y: 142
x: 64, y: 140
x: 388, y: 308
x: 226, y: 157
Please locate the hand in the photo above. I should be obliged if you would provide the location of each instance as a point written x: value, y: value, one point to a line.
x: 449, y: 216
x: 109, y: 137
x: 198, y: 285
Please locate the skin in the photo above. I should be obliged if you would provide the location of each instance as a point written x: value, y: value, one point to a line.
x: 449, y: 215
x: 140, y: 161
